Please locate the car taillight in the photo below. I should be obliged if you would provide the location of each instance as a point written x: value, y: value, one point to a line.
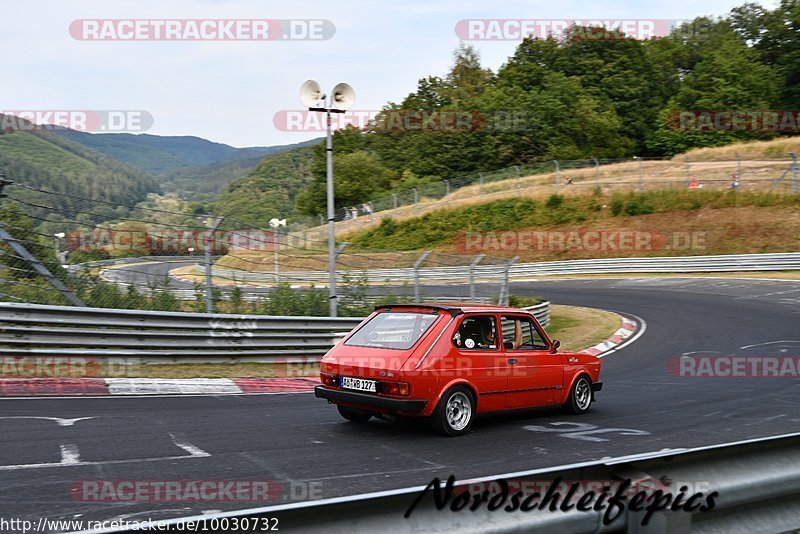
x: 329, y: 380
x: 401, y: 389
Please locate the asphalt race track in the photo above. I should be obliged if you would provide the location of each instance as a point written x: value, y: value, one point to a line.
x: 49, y: 445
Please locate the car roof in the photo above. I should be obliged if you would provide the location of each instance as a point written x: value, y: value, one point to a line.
x: 453, y: 309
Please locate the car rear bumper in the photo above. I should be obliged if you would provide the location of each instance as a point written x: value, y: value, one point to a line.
x: 366, y: 399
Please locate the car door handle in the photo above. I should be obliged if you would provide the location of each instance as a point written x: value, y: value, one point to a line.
x: 512, y: 361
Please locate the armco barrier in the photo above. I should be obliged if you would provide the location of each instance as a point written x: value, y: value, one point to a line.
x: 677, y: 264
x: 757, y: 484
x: 32, y: 329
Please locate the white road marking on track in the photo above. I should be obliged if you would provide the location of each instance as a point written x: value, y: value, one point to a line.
x: 642, y: 329
x: 196, y: 452
x: 770, y: 343
x: 82, y: 463
x: 70, y: 454
x: 58, y: 420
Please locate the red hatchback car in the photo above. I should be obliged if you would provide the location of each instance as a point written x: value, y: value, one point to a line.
x: 450, y: 363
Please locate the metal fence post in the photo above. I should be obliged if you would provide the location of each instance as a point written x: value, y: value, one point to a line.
x: 207, y: 250
x: 596, y: 172
x: 794, y: 171
x: 688, y: 171
x: 472, y: 266
x: 417, y: 264
x: 516, y: 171
x: 276, y: 245
x: 738, y: 166
x: 480, y: 174
x: 321, y: 220
x: 394, y: 201
x: 641, y: 173
x: 558, y: 173
x: 416, y: 196
x: 504, y: 289
x: 446, y: 187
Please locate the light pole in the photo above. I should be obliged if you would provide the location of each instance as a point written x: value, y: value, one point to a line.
x: 276, y: 224
x: 341, y: 100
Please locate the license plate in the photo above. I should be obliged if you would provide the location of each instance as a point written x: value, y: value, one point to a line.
x: 359, y: 384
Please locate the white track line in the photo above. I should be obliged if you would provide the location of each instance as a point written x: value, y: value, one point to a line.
x: 641, y: 330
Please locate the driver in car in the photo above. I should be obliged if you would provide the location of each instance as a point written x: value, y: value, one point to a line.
x: 478, y: 333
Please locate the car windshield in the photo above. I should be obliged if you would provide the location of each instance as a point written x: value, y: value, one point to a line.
x: 393, y: 330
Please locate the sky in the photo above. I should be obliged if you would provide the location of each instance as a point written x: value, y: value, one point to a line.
x: 230, y: 91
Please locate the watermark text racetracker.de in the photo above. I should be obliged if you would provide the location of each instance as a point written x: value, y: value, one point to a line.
x: 201, y: 29
x: 592, y: 240
x: 720, y: 366
x: 735, y: 120
x: 177, y: 491
x: 160, y: 241
x: 82, y: 120
x: 49, y: 367
x: 405, y: 120
x: 590, y: 29
x: 211, y: 524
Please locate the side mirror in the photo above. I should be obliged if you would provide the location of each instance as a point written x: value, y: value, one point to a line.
x: 554, y: 348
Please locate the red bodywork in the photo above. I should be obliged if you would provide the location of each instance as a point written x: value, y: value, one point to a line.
x: 411, y: 382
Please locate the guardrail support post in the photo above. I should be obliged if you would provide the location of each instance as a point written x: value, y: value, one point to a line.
x: 472, y: 266
x: 504, y: 290
x: 417, y: 265
x: 207, y: 249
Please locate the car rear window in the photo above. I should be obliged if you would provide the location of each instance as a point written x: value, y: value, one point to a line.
x: 393, y: 330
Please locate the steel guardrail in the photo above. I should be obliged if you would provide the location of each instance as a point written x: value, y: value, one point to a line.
x: 667, y: 264
x: 757, y: 483
x: 32, y: 329
x: 39, y: 330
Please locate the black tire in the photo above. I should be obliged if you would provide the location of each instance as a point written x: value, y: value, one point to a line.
x: 455, y: 412
x: 354, y: 415
x: 580, y: 396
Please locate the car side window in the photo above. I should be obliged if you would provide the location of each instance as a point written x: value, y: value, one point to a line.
x: 477, y: 333
x: 519, y: 333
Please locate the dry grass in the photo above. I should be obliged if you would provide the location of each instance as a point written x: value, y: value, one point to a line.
x: 741, y: 230
x: 761, y: 162
x: 212, y: 370
x: 579, y: 328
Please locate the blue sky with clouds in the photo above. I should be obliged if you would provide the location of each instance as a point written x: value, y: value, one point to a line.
x: 230, y: 91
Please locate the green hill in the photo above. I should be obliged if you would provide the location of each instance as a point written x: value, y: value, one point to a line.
x: 191, y: 167
x: 49, y: 161
x: 269, y: 190
x: 160, y: 154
